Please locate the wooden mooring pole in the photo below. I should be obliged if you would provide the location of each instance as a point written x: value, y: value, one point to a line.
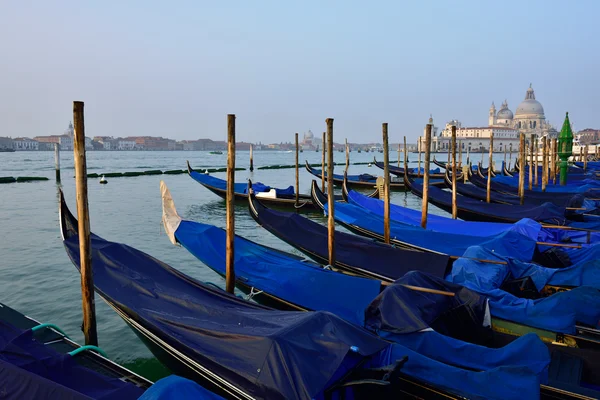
x: 544, y: 163
x: 230, y: 220
x: 530, y: 163
x: 297, y: 175
x: 459, y: 154
x: 425, y: 204
x: 490, y: 167
x: 419, y: 164
x: 83, y: 216
x: 454, y: 207
x: 251, y: 159
x: 522, y: 168
x: 386, y: 184
x: 398, y: 155
x: 405, y: 161
x: 536, y: 162
x: 323, y: 165
x: 57, y: 161
x: 585, y: 157
x: 553, y: 159
x: 330, y: 195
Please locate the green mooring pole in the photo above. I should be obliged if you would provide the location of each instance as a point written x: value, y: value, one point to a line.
x: 565, y: 148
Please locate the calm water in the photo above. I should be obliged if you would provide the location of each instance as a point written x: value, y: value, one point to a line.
x: 39, y: 279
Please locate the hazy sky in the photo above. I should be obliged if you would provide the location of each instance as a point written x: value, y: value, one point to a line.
x: 177, y: 68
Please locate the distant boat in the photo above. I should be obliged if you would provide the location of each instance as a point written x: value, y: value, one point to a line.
x: 6, y: 150
x: 216, y: 152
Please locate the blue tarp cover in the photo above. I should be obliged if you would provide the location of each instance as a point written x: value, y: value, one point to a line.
x: 351, y: 178
x: 175, y: 387
x: 558, y: 312
x: 511, y: 243
x: 269, y: 354
x: 295, y: 280
x: 240, y: 188
x: 31, y: 370
x: 357, y: 251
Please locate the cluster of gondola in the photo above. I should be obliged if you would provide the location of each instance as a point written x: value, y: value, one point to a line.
x: 503, y: 303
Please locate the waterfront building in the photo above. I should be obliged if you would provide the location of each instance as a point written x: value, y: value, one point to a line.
x: 506, y: 127
x: 25, y: 144
x: 6, y: 143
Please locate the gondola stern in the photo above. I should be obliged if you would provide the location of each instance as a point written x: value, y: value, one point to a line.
x: 317, y: 195
x: 67, y: 221
x: 189, y: 167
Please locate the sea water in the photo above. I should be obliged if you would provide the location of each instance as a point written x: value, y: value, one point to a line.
x: 38, y: 278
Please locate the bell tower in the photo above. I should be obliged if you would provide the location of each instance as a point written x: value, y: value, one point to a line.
x: 492, y: 118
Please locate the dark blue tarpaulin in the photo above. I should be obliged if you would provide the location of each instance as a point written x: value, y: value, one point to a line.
x: 353, y: 250
x: 240, y: 188
x: 510, y: 243
x: 558, y: 312
x: 269, y: 354
x: 174, y: 387
x: 31, y: 370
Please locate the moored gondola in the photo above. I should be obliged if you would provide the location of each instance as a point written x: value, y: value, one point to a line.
x: 363, y: 181
x: 281, y: 198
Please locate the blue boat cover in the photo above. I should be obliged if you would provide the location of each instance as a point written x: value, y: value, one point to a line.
x: 353, y: 250
x: 175, y: 387
x: 438, y: 223
x: 579, y: 186
x: 558, y: 312
x: 351, y: 178
x: 31, y: 370
x: 269, y: 354
x: 281, y: 274
x: 239, y: 188
x: 427, y: 322
x: 546, y: 212
x: 510, y: 243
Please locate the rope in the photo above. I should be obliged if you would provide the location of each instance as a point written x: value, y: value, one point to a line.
x: 301, y: 205
x: 253, y: 293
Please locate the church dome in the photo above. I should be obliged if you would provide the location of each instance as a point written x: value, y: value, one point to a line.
x: 309, y: 135
x: 505, y: 114
x: 530, y: 106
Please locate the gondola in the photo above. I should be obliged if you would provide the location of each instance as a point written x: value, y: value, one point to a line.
x: 364, y: 181
x: 272, y: 275
x: 40, y: 361
x: 474, y: 210
x: 435, y: 177
x: 282, y: 198
x: 354, y: 254
x: 236, y: 348
x: 502, y: 187
x: 246, y: 350
x: 479, y: 193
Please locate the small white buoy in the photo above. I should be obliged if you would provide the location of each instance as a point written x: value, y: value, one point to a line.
x: 205, y: 172
x: 103, y: 180
x: 369, y: 165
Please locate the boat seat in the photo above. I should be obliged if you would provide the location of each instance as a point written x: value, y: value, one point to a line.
x: 271, y: 194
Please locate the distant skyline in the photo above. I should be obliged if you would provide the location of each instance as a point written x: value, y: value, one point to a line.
x: 176, y: 69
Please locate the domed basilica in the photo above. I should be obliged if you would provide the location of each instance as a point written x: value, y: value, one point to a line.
x: 529, y: 118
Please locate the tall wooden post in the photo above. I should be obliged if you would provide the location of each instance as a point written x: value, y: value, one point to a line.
x: 419, y: 164
x: 468, y: 151
x: 83, y: 216
x: 57, y: 161
x: 585, y: 157
x: 347, y: 157
x: 425, y: 204
x: 330, y: 195
x: 459, y: 154
x: 230, y: 220
x: 251, y: 159
x: 323, y: 165
x: 454, y: 207
x: 554, y: 153
x: 544, y: 163
x: 490, y: 166
x: 398, y: 155
x: 536, y: 162
x: 504, y: 154
x: 509, y: 157
x: 386, y: 184
x: 522, y: 152
x: 297, y: 173
x: 405, y: 159
x: 531, y: 163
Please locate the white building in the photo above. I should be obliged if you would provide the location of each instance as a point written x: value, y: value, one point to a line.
x: 506, y: 127
x: 25, y: 144
x: 66, y: 142
x: 125, y: 144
